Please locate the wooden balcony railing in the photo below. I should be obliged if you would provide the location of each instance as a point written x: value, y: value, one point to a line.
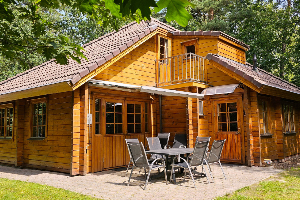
x: 182, y: 68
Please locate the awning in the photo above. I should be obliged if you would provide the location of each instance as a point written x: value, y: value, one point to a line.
x: 223, y: 89
x: 146, y: 89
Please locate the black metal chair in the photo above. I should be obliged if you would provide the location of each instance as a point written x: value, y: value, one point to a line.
x: 134, y: 140
x: 164, y: 139
x: 215, y: 153
x: 154, y: 144
x: 197, y: 158
x: 201, y: 139
x: 180, y: 141
x: 140, y: 160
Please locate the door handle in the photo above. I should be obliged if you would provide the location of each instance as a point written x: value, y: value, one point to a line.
x: 237, y: 133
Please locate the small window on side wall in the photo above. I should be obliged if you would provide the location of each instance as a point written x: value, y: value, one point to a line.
x: 6, y: 122
x: 39, y: 121
x: 288, y: 118
x: 163, y: 48
x: 190, y: 49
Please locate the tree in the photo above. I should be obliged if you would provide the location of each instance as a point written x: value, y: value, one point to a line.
x: 44, y: 38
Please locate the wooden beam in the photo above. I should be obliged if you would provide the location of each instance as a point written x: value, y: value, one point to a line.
x: 182, y: 85
x: 86, y: 128
x: 39, y: 91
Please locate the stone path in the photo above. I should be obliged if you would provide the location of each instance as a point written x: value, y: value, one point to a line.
x: 112, y: 184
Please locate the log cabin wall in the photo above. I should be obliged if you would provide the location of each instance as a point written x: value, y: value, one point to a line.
x: 54, y: 151
x: 267, y: 142
x: 136, y: 68
x: 231, y: 51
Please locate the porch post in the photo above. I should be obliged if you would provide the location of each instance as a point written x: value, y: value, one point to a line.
x: 19, y: 113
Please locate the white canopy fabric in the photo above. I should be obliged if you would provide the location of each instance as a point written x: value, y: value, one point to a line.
x: 223, y: 89
x: 136, y: 88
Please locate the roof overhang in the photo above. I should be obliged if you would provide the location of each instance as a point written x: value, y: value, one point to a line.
x: 146, y: 89
x: 223, y: 89
x: 37, y: 91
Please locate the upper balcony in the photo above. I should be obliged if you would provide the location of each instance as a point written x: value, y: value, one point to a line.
x: 180, y: 69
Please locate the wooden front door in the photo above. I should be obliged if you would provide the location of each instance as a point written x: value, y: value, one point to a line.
x: 114, y: 120
x: 228, y: 118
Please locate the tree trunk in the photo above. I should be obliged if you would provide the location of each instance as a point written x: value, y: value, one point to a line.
x: 282, y: 62
x: 211, y: 14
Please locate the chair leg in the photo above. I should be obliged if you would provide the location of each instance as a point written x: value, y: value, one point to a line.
x: 184, y: 174
x: 147, y: 178
x: 130, y: 175
x: 222, y: 170
x: 171, y: 173
x: 192, y: 176
x: 128, y: 166
x: 205, y: 173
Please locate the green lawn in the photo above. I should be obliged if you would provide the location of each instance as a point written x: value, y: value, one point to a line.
x: 11, y: 189
x: 284, y: 186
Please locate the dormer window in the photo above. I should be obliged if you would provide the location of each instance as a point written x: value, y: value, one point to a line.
x: 190, y: 49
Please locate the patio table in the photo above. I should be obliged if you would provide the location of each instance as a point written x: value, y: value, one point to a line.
x: 171, y: 152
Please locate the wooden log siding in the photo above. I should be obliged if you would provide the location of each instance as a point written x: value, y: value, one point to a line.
x: 254, y: 128
x: 232, y: 52
x: 19, y: 133
x: 136, y: 68
x: 53, y: 152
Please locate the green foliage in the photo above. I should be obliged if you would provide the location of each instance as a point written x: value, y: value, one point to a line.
x: 12, y: 189
x: 285, y: 186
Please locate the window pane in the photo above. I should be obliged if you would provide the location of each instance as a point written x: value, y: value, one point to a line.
x: 34, y: 120
x: 222, y: 117
x: 9, y: 132
x: 97, y: 127
x: 222, y: 127
x: 118, y: 118
x: 40, y: 108
x: 34, y: 133
x: 97, y: 118
x: 109, y: 117
x: 130, y: 118
x: 138, y: 128
x: 137, y: 118
x: 44, y: 108
x: 11, y: 122
x: 190, y: 49
x: 137, y: 108
x: 146, y: 127
x: 146, y: 118
x: 130, y: 128
x: 2, y: 131
x: 130, y: 108
x: 97, y: 106
x: 233, y: 127
x: 118, y: 107
x: 109, y: 129
x: 109, y: 107
x: 36, y: 109
x: 232, y: 107
x: 42, y: 134
x: 146, y: 107
x: 40, y: 120
x: 44, y: 119
x: 222, y: 107
x: 233, y: 117
x: 118, y: 128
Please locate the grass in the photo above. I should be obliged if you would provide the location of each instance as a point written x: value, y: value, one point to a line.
x: 284, y: 186
x: 12, y: 189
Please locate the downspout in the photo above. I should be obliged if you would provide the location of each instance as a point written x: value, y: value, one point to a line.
x: 160, y: 113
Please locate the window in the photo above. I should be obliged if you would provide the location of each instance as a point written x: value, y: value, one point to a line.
x: 264, y: 117
x: 39, y: 120
x: 190, y: 49
x: 134, y: 118
x: 146, y: 118
x: 227, y: 117
x: 6, y: 122
x: 288, y: 118
x: 114, y: 121
x: 163, y: 48
x: 97, y: 116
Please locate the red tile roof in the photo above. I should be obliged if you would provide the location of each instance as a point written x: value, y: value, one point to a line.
x: 97, y: 51
x: 258, y: 77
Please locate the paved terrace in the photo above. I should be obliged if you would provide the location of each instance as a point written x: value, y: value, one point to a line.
x: 112, y: 184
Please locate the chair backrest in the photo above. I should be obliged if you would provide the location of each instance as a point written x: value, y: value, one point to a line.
x: 139, y: 157
x: 201, y: 139
x: 154, y: 143
x: 164, y: 139
x: 134, y: 140
x: 179, y: 141
x: 199, y: 153
x: 216, y: 151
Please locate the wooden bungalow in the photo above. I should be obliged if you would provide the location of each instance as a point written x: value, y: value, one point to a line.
x: 144, y: 79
